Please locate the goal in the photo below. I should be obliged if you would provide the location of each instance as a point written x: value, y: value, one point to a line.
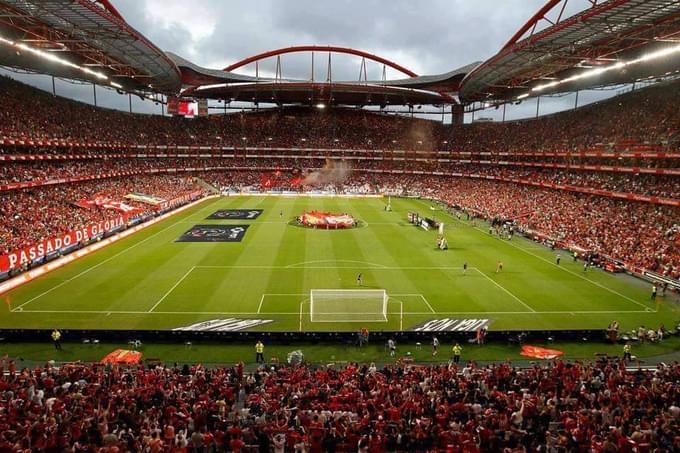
x: 348, y: 305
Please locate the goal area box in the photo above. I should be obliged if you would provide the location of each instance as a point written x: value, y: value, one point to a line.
x: 348, y: 305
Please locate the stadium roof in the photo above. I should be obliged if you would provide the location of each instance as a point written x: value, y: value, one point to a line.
x: 226, y: 84
x: 82, y: 39
x: 605, y: 33
x: 89, y: 40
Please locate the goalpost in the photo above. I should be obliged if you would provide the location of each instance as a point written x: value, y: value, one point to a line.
x: 348, y: 305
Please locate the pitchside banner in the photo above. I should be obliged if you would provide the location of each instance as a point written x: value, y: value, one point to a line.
x: 225, y: 325
x: 37, y: 251
x: 452, y: 325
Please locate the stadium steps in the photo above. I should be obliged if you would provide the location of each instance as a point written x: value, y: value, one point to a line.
x: 206, y: 185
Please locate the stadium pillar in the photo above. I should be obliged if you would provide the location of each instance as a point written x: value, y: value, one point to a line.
x: 94, y: 94
x: 329, y: 76
x: 576, y: 101
x: 54, y: 88
x: 457, y: 114
x: 538, y: 105
x: 504, y: 105
x: 130, y: 101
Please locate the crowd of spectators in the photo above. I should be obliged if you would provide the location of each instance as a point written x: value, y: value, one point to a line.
x: 31, y: 215
x: 645, y: 116
x: 664, y: 186
x: 557, y: 407
x: 639, y: 234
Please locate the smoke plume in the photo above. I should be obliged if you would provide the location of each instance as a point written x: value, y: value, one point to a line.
x: 333, y: 172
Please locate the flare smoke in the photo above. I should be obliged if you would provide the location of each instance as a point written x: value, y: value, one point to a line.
x: 333, y: 172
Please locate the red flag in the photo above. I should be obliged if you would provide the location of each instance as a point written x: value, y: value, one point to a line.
x: 540, y: 353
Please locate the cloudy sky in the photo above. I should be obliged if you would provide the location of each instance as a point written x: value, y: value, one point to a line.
x: 427, y: 36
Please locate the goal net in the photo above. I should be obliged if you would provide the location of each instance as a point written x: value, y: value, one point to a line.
x: 348, y: 305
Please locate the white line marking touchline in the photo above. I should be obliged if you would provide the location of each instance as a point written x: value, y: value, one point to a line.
x: 106, y: 260
x: 579, y: 276
x: 551, y: 263
x: 171, y: 289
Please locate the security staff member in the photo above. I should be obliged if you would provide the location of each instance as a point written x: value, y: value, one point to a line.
x: 456, y: 353
x: 259, y: 352
x: 626, y: 352
x: 56, y: 339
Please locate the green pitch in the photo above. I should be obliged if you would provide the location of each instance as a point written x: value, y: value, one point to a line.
x: 149, y: 281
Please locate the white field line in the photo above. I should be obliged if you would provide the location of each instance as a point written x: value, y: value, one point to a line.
x: 428, y: 304
x: 302, y: 304
x: 394, y: 268
x: 505, y: 290
x: 401, y: 315
x: 259, y: 307
x: 350, y: 320
x: 288, y: 313
x: 95, y: 266
x: 401, y: 312
x: 171, y: 289
x: 598, y: 284
x: 333, y: 261
x: 553, y: 264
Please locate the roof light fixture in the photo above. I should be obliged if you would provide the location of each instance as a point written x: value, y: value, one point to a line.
x: 620, y: 65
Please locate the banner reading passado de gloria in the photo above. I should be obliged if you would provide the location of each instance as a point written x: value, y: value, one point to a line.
x: 18, y: 258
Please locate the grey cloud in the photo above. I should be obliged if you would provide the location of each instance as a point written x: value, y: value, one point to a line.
x: 428, y: 36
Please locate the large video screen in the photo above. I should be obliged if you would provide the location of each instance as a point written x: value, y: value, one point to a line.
x: 188, y: 109
x: 182, y: 107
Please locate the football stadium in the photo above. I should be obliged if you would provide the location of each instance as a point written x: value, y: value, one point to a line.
x: 270, y: 254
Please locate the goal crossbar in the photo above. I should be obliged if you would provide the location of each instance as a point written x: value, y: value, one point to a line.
x: 348, y: 305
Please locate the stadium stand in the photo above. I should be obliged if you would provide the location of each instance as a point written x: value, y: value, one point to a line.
x: 43, y: 172
x: 32, y: 215
x: 599, y: 407
x: 647, y: 116
x: 611, y: 191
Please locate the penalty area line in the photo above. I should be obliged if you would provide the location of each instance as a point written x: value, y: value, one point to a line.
x: 259, y: 307
x: 428, y: 304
